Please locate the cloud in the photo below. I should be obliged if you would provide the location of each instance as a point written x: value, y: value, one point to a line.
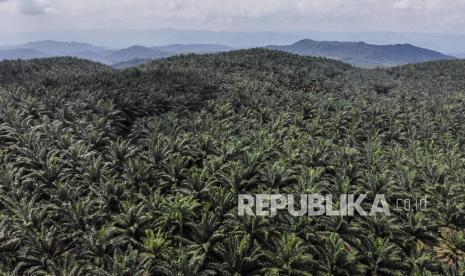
x: 431, y: 6
x: 205, y: 10
x: 283, y: 15
x: 34, y: 7
x: 6, y: 6
x: 407, y: 5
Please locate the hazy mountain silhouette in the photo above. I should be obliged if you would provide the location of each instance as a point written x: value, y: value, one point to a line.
x: 21, y: 53
x: 136, y: 52
x: 59, y: 48
x: 194, y: 48
x: 122, y: 58
x: 361, y: 53
x: 356, y: 53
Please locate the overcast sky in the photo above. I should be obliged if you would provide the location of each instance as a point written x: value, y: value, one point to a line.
x: 442, y: 16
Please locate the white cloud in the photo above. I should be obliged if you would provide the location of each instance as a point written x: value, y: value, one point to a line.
x: 419, y: 5
x: 34, y: 7
x: 232, y: 9
x: 339, y: 15
x: 406, y: 5
x: 6, y: 6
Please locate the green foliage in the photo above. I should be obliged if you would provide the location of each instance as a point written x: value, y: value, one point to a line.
x: 137, y: 172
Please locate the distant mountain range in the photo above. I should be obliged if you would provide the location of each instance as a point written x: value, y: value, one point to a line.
x: 136, y: 52
x: 122, y: 38
x: 355, y: 53
x: 361, y: 53
x: 123, y: 57
x: 21, y: 53
x: 56, y: 48
x: 194, y: 48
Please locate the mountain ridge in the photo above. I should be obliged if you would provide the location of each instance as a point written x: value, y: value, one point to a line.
x: 119, y: 57
x: 136, y: 52
x: 61, y: 47
x: 194, y: 48
x: 361, y: 53
x: 21, y: 53
x: 355, y: 53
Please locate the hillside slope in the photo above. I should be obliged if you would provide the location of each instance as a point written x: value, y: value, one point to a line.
x: 360, y: 53
x: 138, y: 171
x: 36, y: 71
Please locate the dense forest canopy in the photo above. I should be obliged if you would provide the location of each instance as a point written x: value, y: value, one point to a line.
x: 137, y: 171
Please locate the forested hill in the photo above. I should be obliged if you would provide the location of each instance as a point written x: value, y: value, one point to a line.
x: 256, y: 69
x: 138, y: 171
x: 363, y: 54
x: 38, y: 71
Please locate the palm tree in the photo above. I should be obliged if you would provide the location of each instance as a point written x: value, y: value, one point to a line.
x: 339, y: 259
x: 451, y: 249
x: 177, y: 211
x: 382, y: 257
x: 292, y: 257
x: 238, y: 256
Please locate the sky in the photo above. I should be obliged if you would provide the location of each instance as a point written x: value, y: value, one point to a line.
x: 438, y: 16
